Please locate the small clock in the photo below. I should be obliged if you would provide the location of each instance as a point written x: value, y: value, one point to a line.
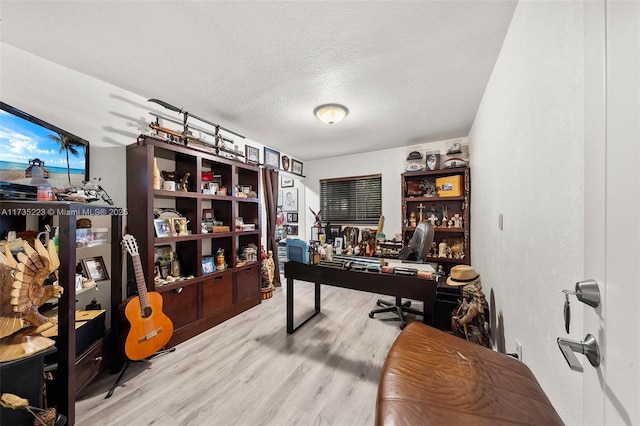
x: 433, y: 162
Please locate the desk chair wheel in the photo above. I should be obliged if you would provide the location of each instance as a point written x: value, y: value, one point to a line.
x: 371, y: 314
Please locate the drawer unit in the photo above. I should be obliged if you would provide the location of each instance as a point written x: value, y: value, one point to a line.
x: 181, y: 306
x: 89, y: 364
x: 217, y: 294
x: 248, y: 283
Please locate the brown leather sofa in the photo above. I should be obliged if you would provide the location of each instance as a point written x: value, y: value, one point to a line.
x: 431, y: 377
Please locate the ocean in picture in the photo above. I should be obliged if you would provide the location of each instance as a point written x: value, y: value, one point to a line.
x: 7, y: 165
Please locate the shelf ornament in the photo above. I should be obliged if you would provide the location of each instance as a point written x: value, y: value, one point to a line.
x: 21, y: 293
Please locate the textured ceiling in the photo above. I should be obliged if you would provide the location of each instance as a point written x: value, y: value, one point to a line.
x: 409, y: 72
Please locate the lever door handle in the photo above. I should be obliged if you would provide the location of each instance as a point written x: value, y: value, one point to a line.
x: 589, y: 348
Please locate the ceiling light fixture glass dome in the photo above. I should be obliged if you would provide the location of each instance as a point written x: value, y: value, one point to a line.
x: 331, y: 113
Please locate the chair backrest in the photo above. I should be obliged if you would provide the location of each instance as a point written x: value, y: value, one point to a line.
x: 420, y: 243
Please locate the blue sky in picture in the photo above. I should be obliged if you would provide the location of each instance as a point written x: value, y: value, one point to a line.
x: 22, y: 140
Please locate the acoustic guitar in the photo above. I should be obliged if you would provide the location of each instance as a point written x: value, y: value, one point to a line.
x: 146, y: 329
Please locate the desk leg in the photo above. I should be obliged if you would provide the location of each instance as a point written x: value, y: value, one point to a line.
x: 290, y: 327
x: 317, y: 293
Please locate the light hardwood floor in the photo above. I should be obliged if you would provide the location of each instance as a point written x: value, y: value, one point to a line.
x: 249, y: 371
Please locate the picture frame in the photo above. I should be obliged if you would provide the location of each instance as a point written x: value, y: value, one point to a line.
x: 296, y: 167
x: 207, y: 214
x: 290, y: 200
x: 338, y: 242
x: 286, y: 182
x: 163, y: 252
x: 208, y: 265
x: 94, y: 268
x: 162, y: 227
x: 271, y: 158
x: 292, y: 217
x: 433, y: 161
x: 286, y: 163
x: 292, y: 229
x: 252, y: 155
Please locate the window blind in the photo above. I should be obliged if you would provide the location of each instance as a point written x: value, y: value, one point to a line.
x: 351, y: 200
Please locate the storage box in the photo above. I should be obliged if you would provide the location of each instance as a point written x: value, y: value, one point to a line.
x: 449, y: 186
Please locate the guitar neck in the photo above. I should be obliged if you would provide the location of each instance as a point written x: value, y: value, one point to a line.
x: 140, y: 282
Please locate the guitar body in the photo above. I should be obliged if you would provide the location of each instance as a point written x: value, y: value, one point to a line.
x: 144, y: 335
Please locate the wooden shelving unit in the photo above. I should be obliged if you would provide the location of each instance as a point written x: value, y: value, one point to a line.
x: 458, y: 204
x: 73, y: 372
x: 203, y: 300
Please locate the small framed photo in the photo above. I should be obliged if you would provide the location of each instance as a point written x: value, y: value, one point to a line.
x: 271, y: 158
x: 286, y: 163
x: 207, y: 214
x: 208, y: 265
x: 95, y: 269
x: 290, y: 200
x: 292, y: 217
x: 292, y: 229
x: 163, y: 228
x: 338, y: 242
x: 286, y: 182
x: 252, y: 154
x: 296, y: 167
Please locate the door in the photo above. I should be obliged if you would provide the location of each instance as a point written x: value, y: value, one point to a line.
x: 611, y: 392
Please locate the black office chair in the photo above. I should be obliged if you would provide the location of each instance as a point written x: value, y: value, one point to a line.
x: 416, y: 252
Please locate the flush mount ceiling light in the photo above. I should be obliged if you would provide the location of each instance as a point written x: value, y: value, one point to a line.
x: 331, y: 113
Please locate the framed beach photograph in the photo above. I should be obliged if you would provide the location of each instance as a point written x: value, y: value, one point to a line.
x: 296, y: 167
x: 271, y: 158
x: 292, y: 217
x: 252, y: 154
x: 290, y: 200
x: 95, y: 268
x: 286, y: 182
x: 162, y: 227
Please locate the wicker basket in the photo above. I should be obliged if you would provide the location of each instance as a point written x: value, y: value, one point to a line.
x: 267, y: 292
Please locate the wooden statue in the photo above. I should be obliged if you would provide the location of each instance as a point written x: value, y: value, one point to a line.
x: 21, y: 293
x: 270, y: 266
x: 468, y: 319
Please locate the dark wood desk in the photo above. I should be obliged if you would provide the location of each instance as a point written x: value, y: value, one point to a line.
x: 403, y: 286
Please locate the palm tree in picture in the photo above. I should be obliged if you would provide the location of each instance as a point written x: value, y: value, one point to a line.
x: 68, y: 145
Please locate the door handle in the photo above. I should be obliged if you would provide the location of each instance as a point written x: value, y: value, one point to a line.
x: 589, y: 348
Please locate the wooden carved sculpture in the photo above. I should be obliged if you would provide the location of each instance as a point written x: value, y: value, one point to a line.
x: 468, y: 319
x: 21, y: 293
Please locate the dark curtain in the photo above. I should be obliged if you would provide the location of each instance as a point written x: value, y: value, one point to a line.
x: 270, y: 180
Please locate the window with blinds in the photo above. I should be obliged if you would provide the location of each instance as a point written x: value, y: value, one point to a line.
x: 351, y: 200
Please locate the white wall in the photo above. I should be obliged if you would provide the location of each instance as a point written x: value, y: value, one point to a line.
x: 527, y: 149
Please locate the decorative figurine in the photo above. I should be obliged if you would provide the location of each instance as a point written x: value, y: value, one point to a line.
x: 468, y: 320
x: 420, y: 209
x: 433, y: 219
x: 181, y: 226
x: 442, y: 248
x: 22, y: 293
x: 184, y: 182
x: 457, y: 221
x: 412, y: 219
x: 270, y: 266
x: 221, y: 263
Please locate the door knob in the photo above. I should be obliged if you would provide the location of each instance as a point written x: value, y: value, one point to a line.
x: 589, y: 348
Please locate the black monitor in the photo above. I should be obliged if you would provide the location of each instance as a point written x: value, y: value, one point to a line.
x: 420, y: 243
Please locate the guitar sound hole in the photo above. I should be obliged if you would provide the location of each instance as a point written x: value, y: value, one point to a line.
x: 146, y: 312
